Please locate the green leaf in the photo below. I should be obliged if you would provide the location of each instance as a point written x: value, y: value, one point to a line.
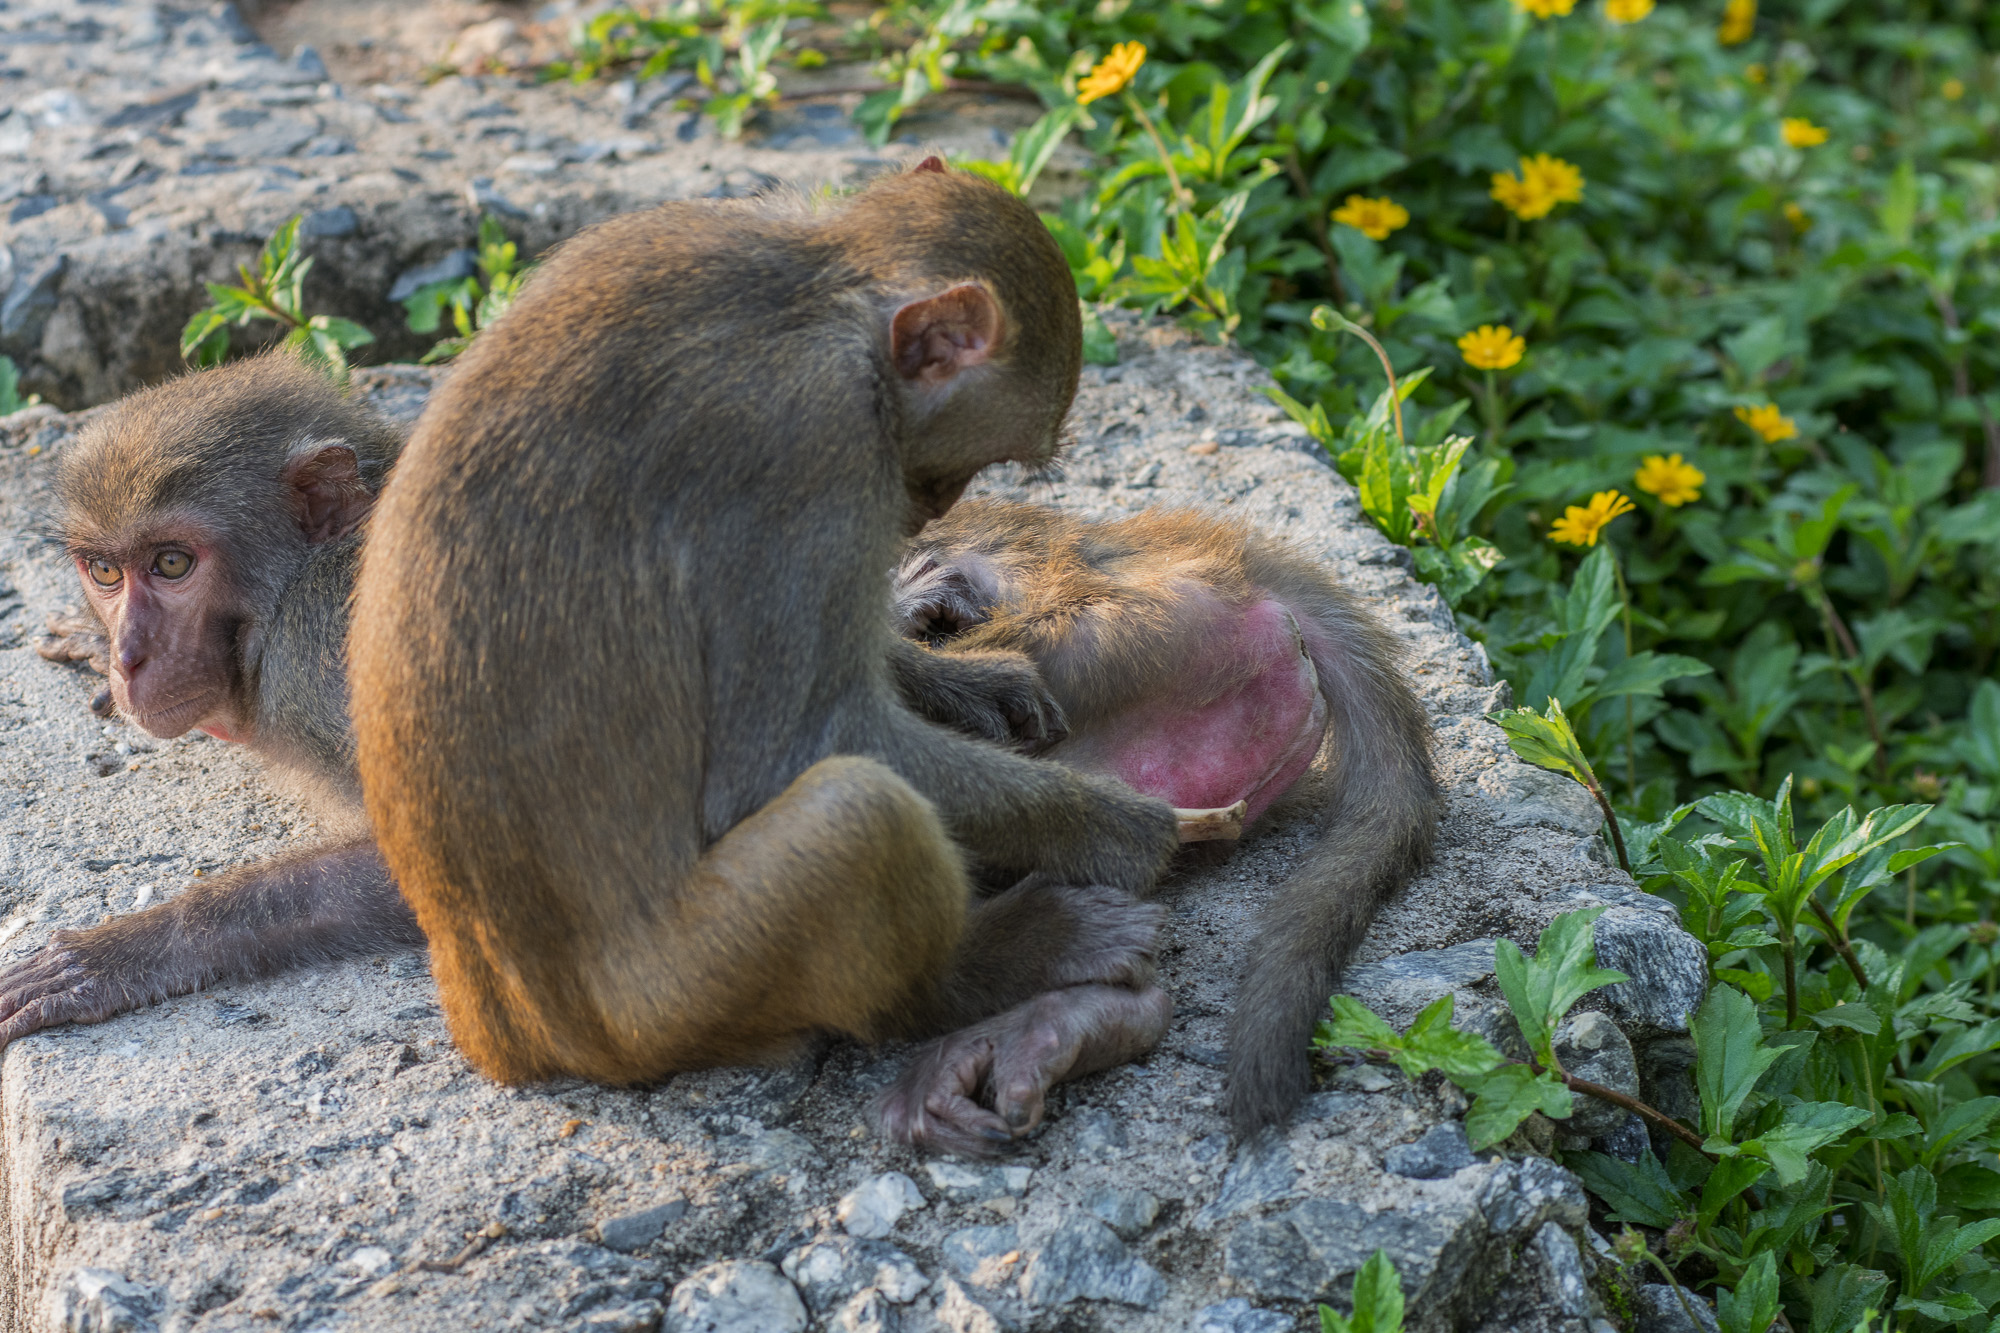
x: 1753, y: 1306
x: 1644, y: 673
x: 1506, y: 1097
x: 1805, y: 1128
x: 1545, y: 741
x: 345, y: 333
x: 1564, y: 970
x: 1730, y: 1056
x: 1856, y: 1017
x: 1951, y: 1307
x: 1731, y: 1176
x: 1638, y: 1192
x: 1431, y: 1042
x: 1843, y: 1294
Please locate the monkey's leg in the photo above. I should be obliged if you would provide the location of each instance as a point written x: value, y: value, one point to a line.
x: 1042, y: 935
x: 980, y: 1088
x: 291, y: 911
x: 835, y: 907
x: 997, y: 696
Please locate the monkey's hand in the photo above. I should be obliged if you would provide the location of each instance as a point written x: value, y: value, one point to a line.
x: 977, y: 1090
x: 76, y: 636
x: 78, y: 978
x: 997, y: 696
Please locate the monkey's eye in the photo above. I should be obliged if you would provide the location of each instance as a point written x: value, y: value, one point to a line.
x: 105, y: 574
x: 172, y: 564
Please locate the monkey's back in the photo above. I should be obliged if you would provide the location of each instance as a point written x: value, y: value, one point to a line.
x: 580, y: 524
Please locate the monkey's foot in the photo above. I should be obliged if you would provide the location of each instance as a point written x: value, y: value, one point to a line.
x: 57, y: 985
x: 75, y: 636
x: 979, y: 1089
x: 1222, y: 825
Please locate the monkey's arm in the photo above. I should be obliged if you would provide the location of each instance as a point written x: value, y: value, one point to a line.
x: 291, y: 911
x: 998, y: 696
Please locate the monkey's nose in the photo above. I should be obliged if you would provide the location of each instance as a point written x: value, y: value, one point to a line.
x: 125, y: 663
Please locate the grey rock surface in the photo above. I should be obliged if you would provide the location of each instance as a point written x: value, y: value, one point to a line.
x: 146, y: 148
x: 284, y: 1154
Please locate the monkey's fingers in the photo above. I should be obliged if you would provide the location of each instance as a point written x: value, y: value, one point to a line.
x: 1224, y: 823
x: 932, y: 1105
x: 1066, y: 1034
x: 50, y: 988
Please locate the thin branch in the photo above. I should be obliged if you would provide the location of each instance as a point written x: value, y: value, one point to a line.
x: 1637, y: 1107
x: 1611, y: 818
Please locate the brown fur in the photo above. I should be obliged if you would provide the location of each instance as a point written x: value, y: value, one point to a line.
x: 266, y: 469
x: 621, y: 658
x: 1112, y: 611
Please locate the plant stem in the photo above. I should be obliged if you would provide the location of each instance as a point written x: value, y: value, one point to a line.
x: 1848, y: 654
x: 1838, y: 939
x: 1395, y: 397
x: 1637, y: 1107
x: 1679, y: 1294
x: 1182, y: 195
x: 1598, y: 1090
x: 1611, y: 818
x: 1791, y: 951
x: 1631, y: 729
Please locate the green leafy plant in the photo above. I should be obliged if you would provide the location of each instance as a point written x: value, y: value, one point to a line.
x: 274, y: 291
x: 11, y: 400
x: 474, y: 302
x: 1377, y: 1300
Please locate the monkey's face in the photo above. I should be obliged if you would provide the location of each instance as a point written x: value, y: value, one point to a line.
x: 168, y: 608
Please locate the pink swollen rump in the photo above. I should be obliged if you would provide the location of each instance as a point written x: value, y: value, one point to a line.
x: 1250, y: 743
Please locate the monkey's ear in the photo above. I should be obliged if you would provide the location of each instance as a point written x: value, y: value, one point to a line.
x: 935, y: 338
x: 931, y: 163
x: 327, y: 494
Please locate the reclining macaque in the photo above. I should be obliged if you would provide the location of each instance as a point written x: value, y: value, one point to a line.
x: 624, y: 680
x: 1205, y: 664
x: 214, y: 524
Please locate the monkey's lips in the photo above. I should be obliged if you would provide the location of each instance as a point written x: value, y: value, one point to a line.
x: 173, y: 720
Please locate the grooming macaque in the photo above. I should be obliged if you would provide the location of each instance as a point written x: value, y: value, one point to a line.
x: 1205, y: 664
x: 213, y: 523
x: 626, y: 690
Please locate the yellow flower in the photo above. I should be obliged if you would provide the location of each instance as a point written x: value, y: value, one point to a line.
x: 1580, y: 524
x: 1739, y: 20
x: 1755, y: 72
x: 1560, y: 180
x: 1520, y: 198
x: 1953, y: 89
x: 1544, y: 182
x: 1802, y: 133
x: 1545, y: 9
x: 1490, y: 348
x: 1675, y: 482
x: 1112, y: 73
x: 1373, y: 218
x: 1798, y: 217
x: 1627, y: 11
x: 1768, y: 422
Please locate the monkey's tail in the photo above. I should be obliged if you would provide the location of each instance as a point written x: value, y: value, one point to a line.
x: 1378, y: 826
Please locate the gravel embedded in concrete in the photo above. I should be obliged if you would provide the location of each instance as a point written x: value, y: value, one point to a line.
x: 246, y: 1158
